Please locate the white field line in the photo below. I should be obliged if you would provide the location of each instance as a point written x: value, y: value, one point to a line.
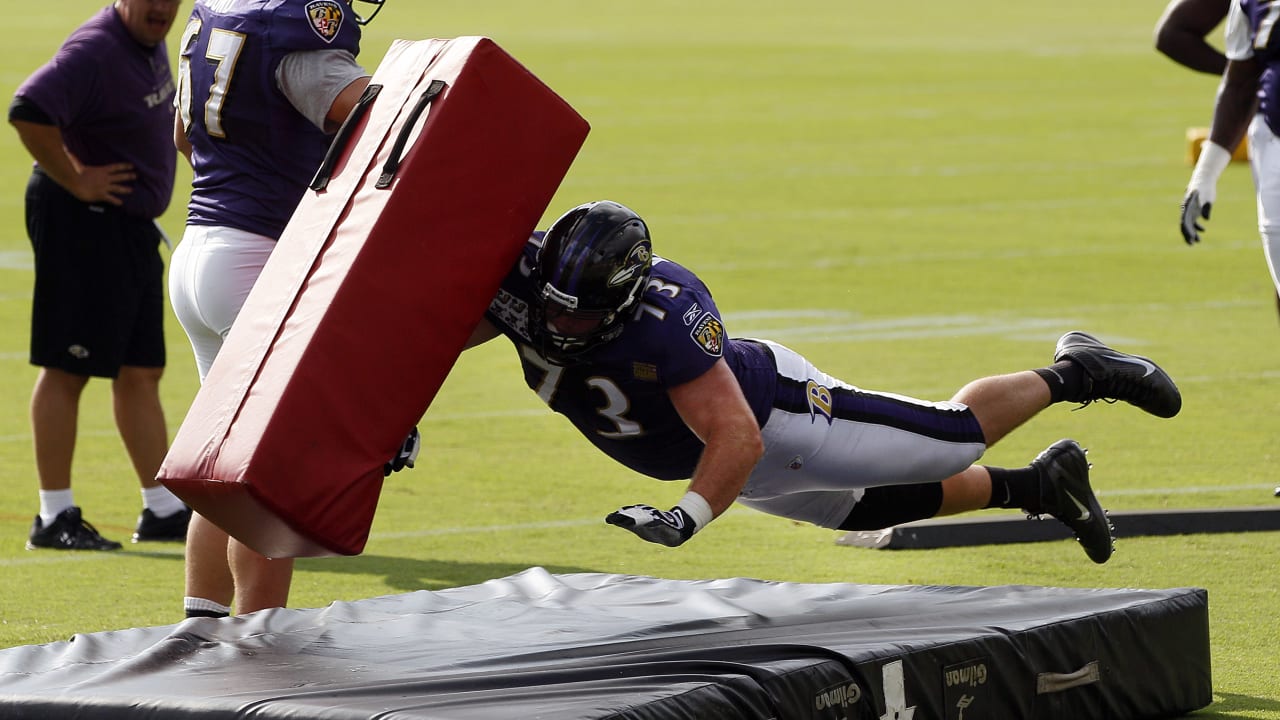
x: 819, y: 325
x: 17, y: 260
x: 22, y: 260
x: 538, y: 412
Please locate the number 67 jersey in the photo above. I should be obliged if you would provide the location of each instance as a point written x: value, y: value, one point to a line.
x: 255, y: 153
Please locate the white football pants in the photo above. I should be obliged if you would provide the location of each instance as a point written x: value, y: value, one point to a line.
x: 210, y: 275
x: 1264, y: 160
x: 816, y: 464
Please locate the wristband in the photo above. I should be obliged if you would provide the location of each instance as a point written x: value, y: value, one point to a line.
x: 1213, y: 160
x: 696, y: 507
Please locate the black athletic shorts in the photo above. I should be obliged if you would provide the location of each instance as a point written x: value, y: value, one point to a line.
x: 98, y: 302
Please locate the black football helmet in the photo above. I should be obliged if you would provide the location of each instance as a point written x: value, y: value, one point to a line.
x: 591, y: 269
x: 364, y: 20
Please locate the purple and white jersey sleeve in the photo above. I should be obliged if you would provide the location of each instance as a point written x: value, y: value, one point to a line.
x: 1238, y: 43
x: 253, y: 153
x: 678, y: 323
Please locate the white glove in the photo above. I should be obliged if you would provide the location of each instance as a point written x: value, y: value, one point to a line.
x: 1203, y: 189
x: 669, y: 528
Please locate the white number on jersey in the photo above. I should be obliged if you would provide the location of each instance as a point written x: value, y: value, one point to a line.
x: 224, y: 50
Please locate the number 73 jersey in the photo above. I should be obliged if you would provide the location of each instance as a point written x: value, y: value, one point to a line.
x: 616, y: 394
x: 253, y: 153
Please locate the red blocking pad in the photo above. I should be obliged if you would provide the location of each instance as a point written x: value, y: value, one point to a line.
x: 430, y: 192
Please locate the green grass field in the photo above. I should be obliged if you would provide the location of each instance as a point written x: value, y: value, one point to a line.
x: 912, y: 199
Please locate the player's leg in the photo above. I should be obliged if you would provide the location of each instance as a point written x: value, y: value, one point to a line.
x: 210, y: 587
x: 1056, y: 483
x: 211, y: 273
x: 140, y: 419
x: 55, y: 407
x: 856, y: 459
x: 1003, y: 402
x: 1265, y: 164
x: 261, y: 582
x: 62, y: 231
x: 55, y: 411
x: 139, y: 416
x: 1084, y: 370
x: 824, y: 434
x: 135, y: 390
x: 1030, y: 488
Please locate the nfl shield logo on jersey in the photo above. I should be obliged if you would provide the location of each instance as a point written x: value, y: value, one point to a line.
x: 326, y: 18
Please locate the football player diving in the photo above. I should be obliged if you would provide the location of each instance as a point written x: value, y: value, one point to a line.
x: 631, y: 348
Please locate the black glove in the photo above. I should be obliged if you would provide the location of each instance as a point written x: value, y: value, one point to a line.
x: 405, y: 456
x: 665, y: 528
x: 1191, y: 209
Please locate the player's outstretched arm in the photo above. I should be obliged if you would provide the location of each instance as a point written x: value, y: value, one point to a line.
x: 713, y: 407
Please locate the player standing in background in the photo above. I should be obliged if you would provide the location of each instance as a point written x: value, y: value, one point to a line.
x: 1248, y: 99
x: 1181, y: 31
x: 632, y: 350
x: 262, y: 84
x: 96, y: 119
x: 1180, y: 34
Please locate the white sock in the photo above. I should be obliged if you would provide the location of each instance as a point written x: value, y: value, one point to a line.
x: 161, y: 501
x: 203, y: 606
x: 53, y: 502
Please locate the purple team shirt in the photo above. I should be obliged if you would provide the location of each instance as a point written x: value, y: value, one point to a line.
x: 618, y: 397
x: 253, y: 153
x: 1261, y: 19
x: 112, y: 99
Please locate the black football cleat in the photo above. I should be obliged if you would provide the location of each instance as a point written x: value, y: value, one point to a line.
x: 170, y: 528
x: 1111, y: 375
x: 68, y: 531
x: 1066, y: 495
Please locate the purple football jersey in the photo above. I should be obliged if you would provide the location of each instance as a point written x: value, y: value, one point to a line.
x: 617, y: 395
x: 253, y: 153
x: 1266, y: 50
x: 111, y: 97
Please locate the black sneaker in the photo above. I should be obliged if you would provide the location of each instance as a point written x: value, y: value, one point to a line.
x: 1111, y: 375
x: 1065, y: 494
x: 68, y: 531
x: 170, y: 528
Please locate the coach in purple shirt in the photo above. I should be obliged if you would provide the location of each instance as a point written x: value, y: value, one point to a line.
x: 98, y: 119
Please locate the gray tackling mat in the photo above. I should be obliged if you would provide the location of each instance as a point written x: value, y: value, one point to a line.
x: 1006, y: 528
x: 588, y: 645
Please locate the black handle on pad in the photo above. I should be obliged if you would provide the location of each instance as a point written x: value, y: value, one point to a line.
x: 321, y: 179
x: 393, y: 163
